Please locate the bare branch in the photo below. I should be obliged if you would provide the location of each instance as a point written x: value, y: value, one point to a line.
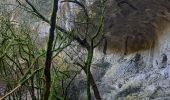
x: 121, y: 2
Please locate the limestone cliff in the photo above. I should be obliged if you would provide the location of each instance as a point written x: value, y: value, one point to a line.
x: 143, y: 35
x: 136, y: 65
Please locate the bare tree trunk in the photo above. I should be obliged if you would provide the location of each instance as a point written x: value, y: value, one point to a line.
x: 49, y: 51
x: 88, y: 64
x: 92, y: 82
x: 95, y: 89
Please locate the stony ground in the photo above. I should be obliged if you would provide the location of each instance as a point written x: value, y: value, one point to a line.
x: 2, y: 87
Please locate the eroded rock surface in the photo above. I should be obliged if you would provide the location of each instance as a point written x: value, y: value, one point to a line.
x: 143, y: 74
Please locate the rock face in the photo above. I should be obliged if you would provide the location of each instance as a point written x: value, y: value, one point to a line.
x: 144, y: 72
x: 141, y: 75
x: 143, y: 34
x: 129, y: 30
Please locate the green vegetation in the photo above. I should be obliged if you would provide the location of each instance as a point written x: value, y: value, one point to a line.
x: 29, y: 69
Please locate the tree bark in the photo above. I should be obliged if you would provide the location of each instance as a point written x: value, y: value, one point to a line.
x: 93, y: 83
x: 88, y: 64
x: 49, y: 53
